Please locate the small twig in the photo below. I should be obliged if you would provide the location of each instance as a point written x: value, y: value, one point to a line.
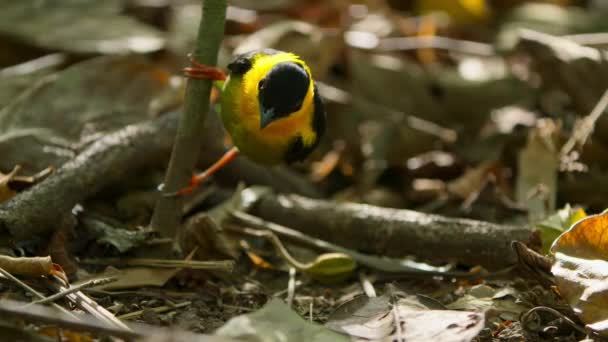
x: 56, y: 296
x: 280, y: 293
x: 34, y: 292
x: 436, y: 42
x: 159, y: 309
x: 291, y: 286
x: 310, y: 309
x: 89, y: 305
x: 280, y: 248
x: 526, y: 317
x: 585, y: 127
x: 219, y: 265
x: 367, y: 285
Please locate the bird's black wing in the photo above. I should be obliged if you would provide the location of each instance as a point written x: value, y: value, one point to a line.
x: 296, y: 150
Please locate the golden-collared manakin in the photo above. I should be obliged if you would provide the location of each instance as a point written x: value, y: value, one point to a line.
x: 270, y: 107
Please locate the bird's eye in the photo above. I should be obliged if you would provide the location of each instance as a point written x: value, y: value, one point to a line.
x: 260, y: 85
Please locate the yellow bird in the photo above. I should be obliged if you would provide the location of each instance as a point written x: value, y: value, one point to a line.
x: 270, y: 107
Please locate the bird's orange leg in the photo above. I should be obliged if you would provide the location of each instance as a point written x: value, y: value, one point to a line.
x: 203, y: 72
x: 201, y: 177
x: 200, y: 71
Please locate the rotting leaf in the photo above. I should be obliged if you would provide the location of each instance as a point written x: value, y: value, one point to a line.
x: 17, y: 78
x: 498, y: 305
x: 120, y: 238
x: 538, y: 165
x: 556, y: 224
x: 47, y: 122
x: 581, y: 269
x: 94, y: 27
x: 204, y: 230
x: 277, y: 322
x: 124, y: 92
x: 406, y: 319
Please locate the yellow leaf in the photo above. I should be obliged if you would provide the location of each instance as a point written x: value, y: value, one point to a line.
x: 331, y: 267
x: 461, y: 11
x: 581, y: 269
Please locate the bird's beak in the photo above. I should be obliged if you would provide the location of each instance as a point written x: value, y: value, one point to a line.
x: 266, y: 117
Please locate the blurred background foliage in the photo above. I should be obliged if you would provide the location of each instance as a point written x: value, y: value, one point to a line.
x: 439, y: 106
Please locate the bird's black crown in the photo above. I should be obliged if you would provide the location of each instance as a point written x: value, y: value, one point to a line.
x: 283, y: 90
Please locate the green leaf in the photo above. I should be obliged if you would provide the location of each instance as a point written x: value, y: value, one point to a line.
x: 553, y: 226
x: 277, y: 322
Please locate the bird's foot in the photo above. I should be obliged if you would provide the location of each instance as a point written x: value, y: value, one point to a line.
x: 200, y: 71
x: 201, y: 177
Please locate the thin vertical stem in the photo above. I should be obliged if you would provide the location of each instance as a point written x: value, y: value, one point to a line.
x: 188, y: 140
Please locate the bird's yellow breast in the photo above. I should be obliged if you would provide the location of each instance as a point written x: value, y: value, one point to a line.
x: 242, y: 118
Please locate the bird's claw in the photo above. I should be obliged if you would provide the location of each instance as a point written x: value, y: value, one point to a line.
x: 200, y: 71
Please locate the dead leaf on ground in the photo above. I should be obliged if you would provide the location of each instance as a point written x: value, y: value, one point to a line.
x: 43, y: 24
x: 17, y: 78
x: 472, y: 182
x: 122, y: 239
x: 277, y: 322
x: 406, y: 319
x: 581, y: 269
x: 48, y: 121
x: 136, y: 277
x: 498, y: 305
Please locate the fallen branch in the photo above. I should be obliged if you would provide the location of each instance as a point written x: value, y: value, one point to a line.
x: 48, y: 205
x: 396, y: 233
x: 379, y: 263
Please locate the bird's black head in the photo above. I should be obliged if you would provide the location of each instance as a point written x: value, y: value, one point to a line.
x: 282, y: 91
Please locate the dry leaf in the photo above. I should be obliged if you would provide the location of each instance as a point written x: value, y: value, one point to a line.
x: 581, y: 270
x: 407, y: 319
x: 136, y: 277
x: 34, y: 266
x: 472, y: 181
